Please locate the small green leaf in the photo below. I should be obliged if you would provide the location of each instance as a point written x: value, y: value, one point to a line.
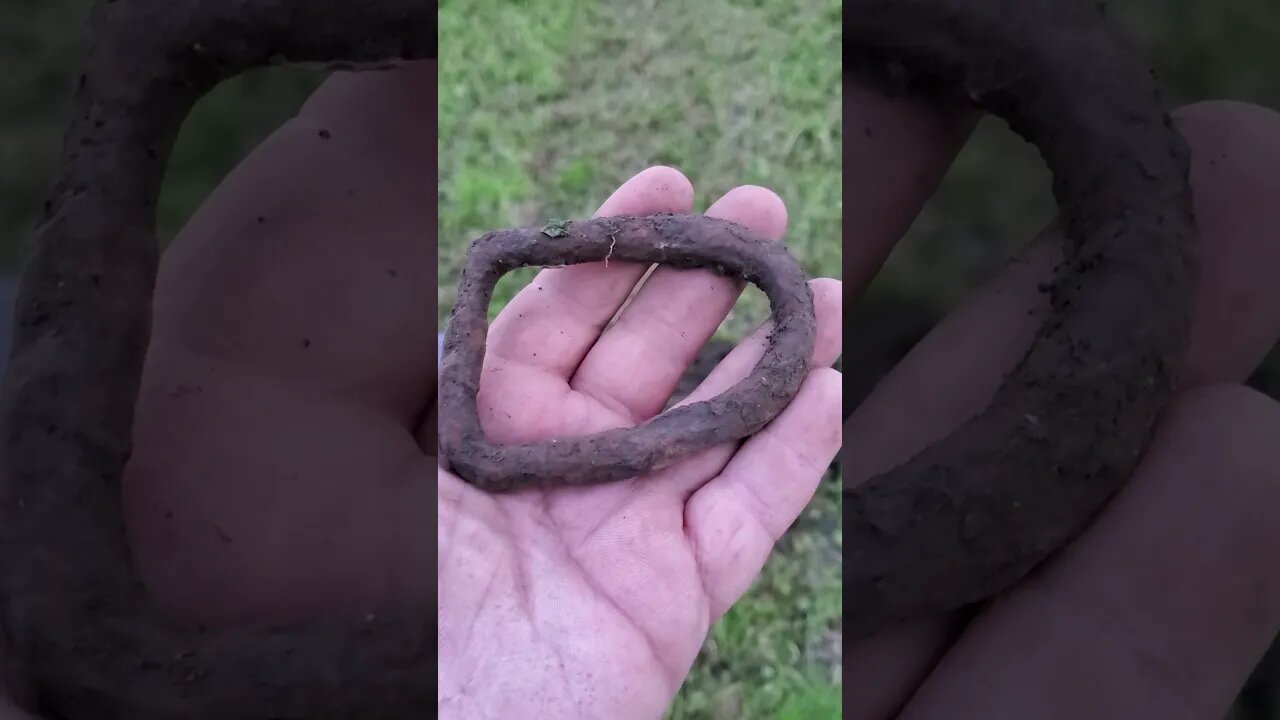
x: 556, y: 228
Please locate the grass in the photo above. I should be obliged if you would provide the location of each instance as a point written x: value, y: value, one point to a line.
x: 549, y: 115
x: 576, y: 97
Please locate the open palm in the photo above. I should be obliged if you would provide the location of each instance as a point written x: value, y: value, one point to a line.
x: 593, y: 602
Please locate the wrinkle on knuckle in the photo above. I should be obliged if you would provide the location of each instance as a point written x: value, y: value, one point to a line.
x: 727, y: 535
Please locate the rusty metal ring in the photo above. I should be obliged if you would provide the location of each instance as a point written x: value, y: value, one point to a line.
x: 683, y: 241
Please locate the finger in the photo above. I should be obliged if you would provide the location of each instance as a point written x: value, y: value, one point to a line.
x: 10, y: 711
x: 312, y: 251
x: 541, y: 336
x: 735, y: 519
x: 683, y: 478
x: 951, y: 375
x: 1162, y: 608
x: 551, y: 323
x: 640, y: 358
x: 902, y: 657
x: 828, y: 305
x: 896, y: 152
x: 1236, y: 177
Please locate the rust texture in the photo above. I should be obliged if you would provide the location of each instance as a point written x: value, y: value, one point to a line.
x: 683, y: 241
x: 971, y: 515
x: 80, y: 635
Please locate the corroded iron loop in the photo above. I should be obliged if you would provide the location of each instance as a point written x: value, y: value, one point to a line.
x: 684, y: 241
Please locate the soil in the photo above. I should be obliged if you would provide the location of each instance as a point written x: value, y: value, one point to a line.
x: 682, y: 241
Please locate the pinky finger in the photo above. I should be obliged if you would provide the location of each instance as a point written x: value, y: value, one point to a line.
x: 735, y: 519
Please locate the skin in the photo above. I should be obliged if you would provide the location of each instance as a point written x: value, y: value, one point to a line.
x: 325, y: 499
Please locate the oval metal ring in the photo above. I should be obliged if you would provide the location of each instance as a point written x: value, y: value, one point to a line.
x: 683, y: 241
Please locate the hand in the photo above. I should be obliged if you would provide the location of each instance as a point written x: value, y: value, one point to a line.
x: 594, y: 602
x: 1162, y: 608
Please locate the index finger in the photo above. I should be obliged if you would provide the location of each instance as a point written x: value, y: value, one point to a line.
x: 896, y: 152
x: 552, y: 323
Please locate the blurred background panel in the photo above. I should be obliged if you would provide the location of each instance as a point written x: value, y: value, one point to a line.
x: 545, y: 107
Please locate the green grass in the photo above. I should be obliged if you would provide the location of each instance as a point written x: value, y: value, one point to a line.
x: 576, y: 97
x: 546, y: 118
